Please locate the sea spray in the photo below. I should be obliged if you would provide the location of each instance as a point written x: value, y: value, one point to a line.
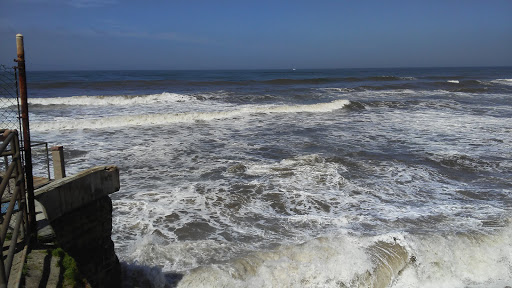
x: 459, y: 260
x: 322, y: 262
x: 391, y: 260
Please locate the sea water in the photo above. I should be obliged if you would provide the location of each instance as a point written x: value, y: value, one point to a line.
x: 295, y: 178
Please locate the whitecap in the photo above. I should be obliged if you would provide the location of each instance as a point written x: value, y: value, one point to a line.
x: 186, y: 117
x: 119, y: 100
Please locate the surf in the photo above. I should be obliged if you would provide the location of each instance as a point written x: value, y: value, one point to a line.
x: 120, y: 100
x: 187, y: 117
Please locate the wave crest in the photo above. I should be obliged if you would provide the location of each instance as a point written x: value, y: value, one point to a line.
x: 322, y: 262
x: 503, y: 81
x: 162, y: 119
x: 164, y: 97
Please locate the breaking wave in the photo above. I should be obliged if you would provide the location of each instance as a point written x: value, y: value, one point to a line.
x: 160, y: 119
x: 322, y: 262
x: 391, y: 260
x: 112, y: 100
x: 503, y: 81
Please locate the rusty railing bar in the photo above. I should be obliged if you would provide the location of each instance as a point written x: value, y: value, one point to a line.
x: 5, y: 179
x: 14, y: 242
x: 6, y: 141
x: 29, y: 180
x: 3, y: 279
x: 37, y: 143
x: 8, y: 215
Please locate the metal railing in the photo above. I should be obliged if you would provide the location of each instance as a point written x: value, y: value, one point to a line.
x: 14, y: 215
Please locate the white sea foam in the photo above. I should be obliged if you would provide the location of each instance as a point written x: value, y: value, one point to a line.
x: 162, y: 119
x: 336, y: 89
x: 323, y: 262
x: 453, y: 81
x: 459, y: 261
x: 503, y: 81
x: 113, y: 100
x: 395, y: 260
x: 395, y: 92
x: 308, y: 178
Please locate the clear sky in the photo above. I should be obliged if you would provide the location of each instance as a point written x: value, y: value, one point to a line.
x: 190, y: 34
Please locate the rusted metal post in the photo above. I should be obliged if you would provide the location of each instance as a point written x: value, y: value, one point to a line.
x: 26, y: 134
x: 59, y: 170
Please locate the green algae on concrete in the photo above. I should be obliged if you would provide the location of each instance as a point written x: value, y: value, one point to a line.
x: 51, y: 268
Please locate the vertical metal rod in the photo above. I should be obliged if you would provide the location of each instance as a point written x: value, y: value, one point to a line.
x: 47, y: 160
x: 26, y: 134
x: 3, y: 279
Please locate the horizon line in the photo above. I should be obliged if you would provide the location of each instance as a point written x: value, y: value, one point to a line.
x: 281, y: 69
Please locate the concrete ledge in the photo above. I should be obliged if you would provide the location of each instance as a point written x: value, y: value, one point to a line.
x: 67, y: 194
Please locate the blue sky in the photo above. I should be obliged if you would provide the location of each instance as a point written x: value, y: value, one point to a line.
x: 158, y: 34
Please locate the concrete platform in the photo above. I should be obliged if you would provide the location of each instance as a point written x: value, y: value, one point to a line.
x: 42, y: 270
x: 62, y: 198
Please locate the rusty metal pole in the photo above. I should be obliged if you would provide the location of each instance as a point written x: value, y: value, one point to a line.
x: 26, y: 135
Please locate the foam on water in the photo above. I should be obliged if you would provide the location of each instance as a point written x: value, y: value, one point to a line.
x: 396, y: 260
x: 297, y: 196
x: 326, y: 262
x: 335, y: 89
x: 459, y: 260
x: 113, y: 100
x: 503, y: 81
x: 213, y: 207
x: 204, y: 212
x: 282, y: 194
x: 162, y: 119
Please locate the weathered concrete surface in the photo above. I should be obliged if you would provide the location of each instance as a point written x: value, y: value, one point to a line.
x: 67, y: 194
x: 45, y: 233
x: 17, y: 266
x: 79, y: 212
x: 42, y: 270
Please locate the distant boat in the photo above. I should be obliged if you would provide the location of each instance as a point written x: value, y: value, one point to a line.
x: 293, y: 69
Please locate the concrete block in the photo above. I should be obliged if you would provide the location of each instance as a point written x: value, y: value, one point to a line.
x: 67, y: 194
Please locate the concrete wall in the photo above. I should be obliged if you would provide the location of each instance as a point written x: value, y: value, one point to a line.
x: 80, y: 212
x: 66, y: 194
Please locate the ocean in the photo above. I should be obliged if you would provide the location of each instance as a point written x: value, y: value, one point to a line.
x: 295, y: 178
